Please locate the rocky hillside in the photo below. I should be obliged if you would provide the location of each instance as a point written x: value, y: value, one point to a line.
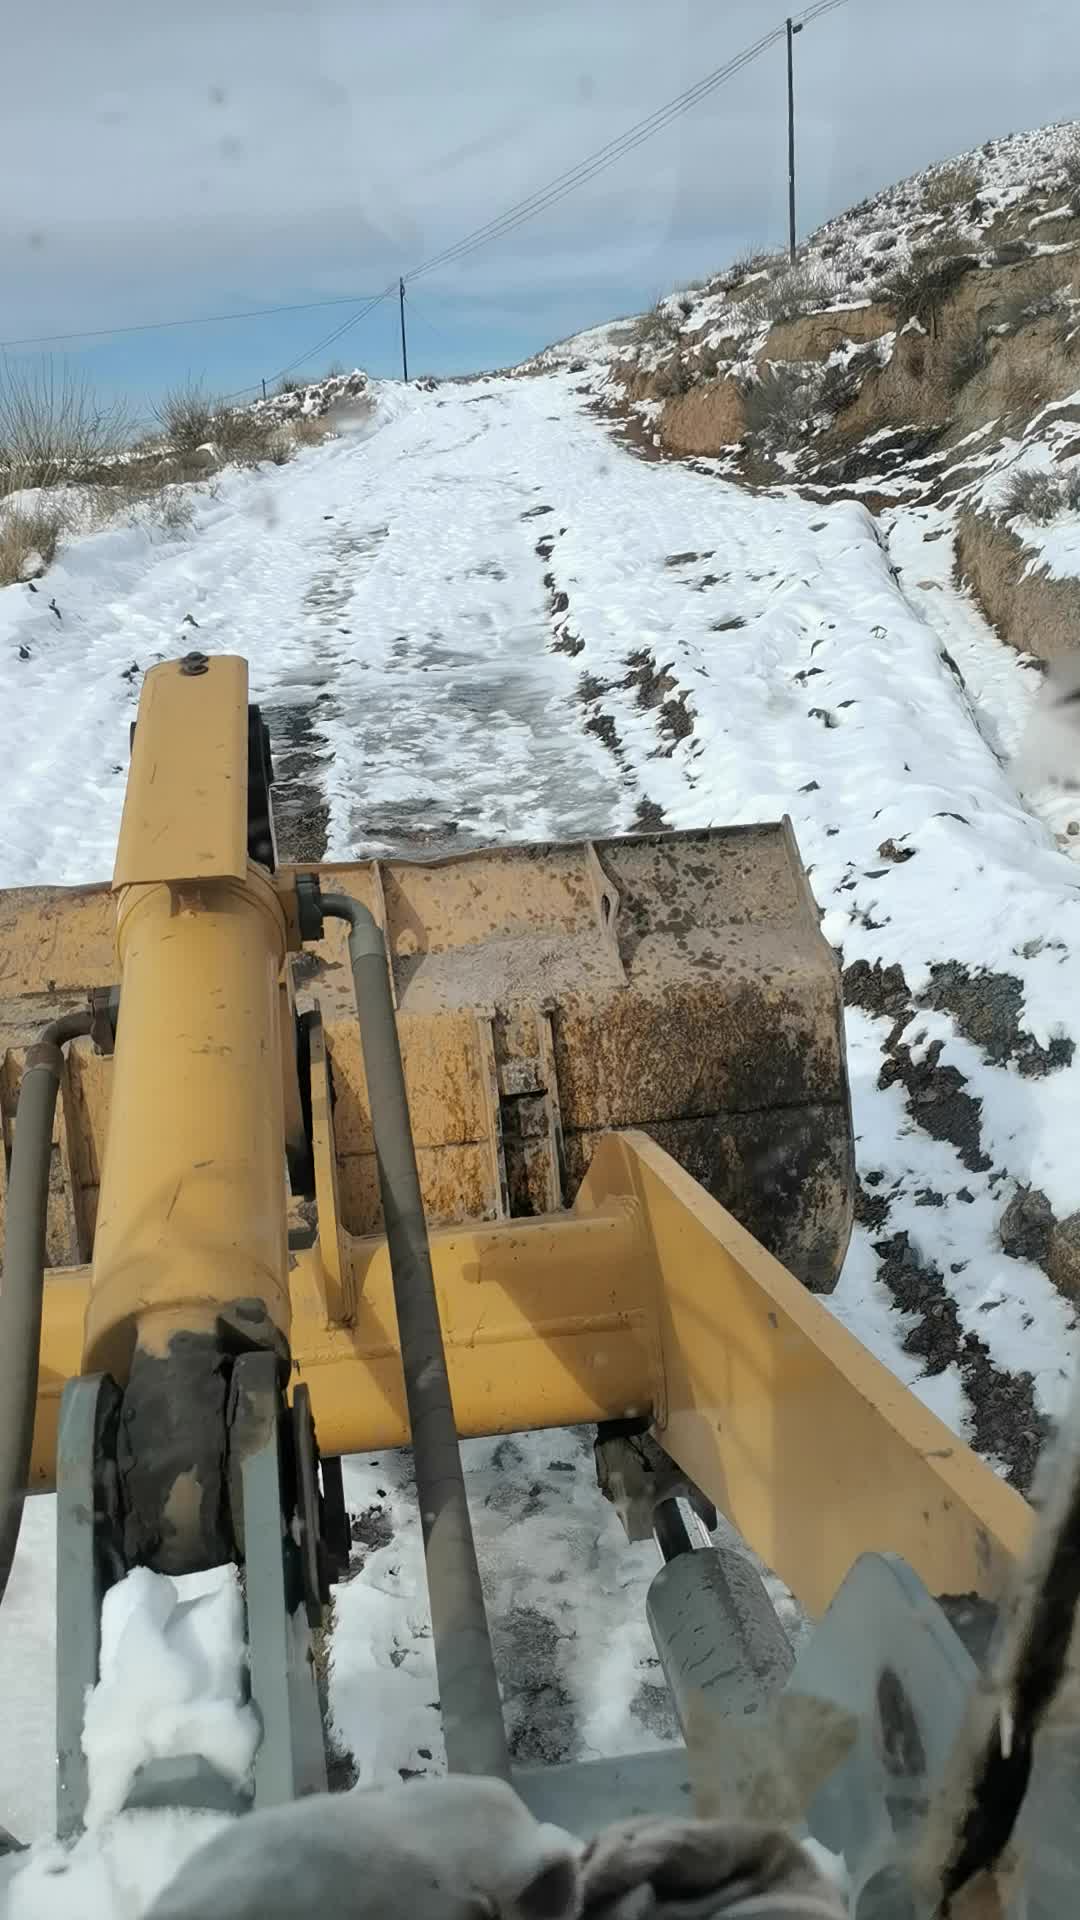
x: 921, y: 356
x: 923, y: 348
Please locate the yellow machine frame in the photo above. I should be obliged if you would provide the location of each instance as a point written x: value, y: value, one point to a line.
x: 644, y: 1298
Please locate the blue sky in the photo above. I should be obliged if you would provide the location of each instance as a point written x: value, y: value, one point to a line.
x: 238, y: 153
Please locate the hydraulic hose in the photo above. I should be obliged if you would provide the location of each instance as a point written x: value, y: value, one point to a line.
x: 23, y: 1281
x: 468, y: 1687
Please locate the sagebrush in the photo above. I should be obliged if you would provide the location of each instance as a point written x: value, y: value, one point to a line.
x: 920, y: 287
x: 779, y: 405
x: 949, y: 187
x: 968, y: 356
x: 1041, y: 497
x: 788, y: 295
x: 657, y: 327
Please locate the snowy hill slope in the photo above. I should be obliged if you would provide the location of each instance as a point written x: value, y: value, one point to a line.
x: 478, y: 616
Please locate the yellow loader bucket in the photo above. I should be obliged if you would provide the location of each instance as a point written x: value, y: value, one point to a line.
x: 547, y: 996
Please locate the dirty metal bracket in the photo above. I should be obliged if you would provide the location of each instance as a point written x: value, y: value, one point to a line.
x: 291, y: 1758
x: 293, y: 1540
x: 89, y: 1560
x: 607, y: 899
x: 523, y: 1112
x: 635, y: 1473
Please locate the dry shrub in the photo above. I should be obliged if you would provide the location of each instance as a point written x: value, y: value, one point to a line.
x: 672, y: 378
x: 309, y: 431
x: 968, y: 356
x: 754, y: 260
x: 789, y: 294
x: 26, y: 532
x: 1029, y: 391
x: 187, y: 416
x: 1070, y: 167
x: 242, y: 437
x: 53, y: 429
x: 1018, y: 310
x: 920, y: 288
x: 842, y: 380
x: 280, y: 447
x: 1041, y: 497
x: 173, y: 508
x: 949, y: 187
x: 779, y: 404
x: 656, y: 328
x: 191, y: 419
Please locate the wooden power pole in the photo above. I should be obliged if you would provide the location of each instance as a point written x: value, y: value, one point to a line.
x: 404, y: 352
x: 792, y: 30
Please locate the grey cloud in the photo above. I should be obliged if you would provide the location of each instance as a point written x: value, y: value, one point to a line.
x: 182, y: 159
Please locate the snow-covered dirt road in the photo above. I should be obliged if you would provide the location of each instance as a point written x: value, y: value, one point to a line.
x: 479, y: 617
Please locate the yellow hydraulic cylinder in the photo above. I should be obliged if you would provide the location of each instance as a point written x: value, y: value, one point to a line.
x: 191, y: 1249
x: 191, y: 1225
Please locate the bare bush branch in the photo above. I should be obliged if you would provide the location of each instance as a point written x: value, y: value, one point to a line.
x: 53, y: 428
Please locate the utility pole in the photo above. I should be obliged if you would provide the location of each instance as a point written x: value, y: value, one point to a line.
x: 404, y: 352
x: 792, y: 30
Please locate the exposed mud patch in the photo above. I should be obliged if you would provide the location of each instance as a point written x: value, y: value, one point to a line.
x: 603, y: 726
x: 654, y: 1709
x: 987, y: 1008
x: 871, y: 1208
x: 876, y: 989
x: 650, y: 682
x: 299, y: 750
x: 370, y: 1531
x: 1027, y: 1225
x: 1006, y: 1423
x: 937, y: 1095
x: 676, y: 722
x: 937, y: 1099
x: 538, y: 1709
x: 649, y: 817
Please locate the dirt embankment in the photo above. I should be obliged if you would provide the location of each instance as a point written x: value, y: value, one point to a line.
x: 1032, y: 612
x: 988, y: 340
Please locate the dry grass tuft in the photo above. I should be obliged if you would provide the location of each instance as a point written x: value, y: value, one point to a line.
x: 29, y: 537
x: 788, y: 295
x: 656, y: 328
x: 950, y: 187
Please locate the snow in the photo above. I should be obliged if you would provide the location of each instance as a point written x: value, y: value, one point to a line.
x: 172, y: 1675
x: 581, y: 1676
x: 115, y: 1872
x: 399, y: 593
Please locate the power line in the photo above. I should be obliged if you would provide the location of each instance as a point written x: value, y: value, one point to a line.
x: 430, y: 324
x: 198, y: 320
x: 496, y: 228
x: 573, y: 177
x: 817, y: 12
x: 594, y: 163
x: 330, y: 338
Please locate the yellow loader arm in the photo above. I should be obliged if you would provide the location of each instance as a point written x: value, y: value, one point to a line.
x: 386, y: 1152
